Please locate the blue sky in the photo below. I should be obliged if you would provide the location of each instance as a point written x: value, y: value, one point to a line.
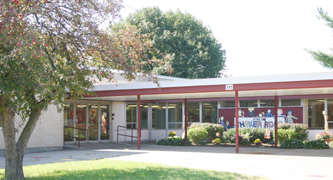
x: 260, y: 37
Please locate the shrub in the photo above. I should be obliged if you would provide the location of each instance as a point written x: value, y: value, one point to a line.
x: 203, y: 142
x: 292, y: 144
x: 254, y: 133
x: 176, y: 141
x: 240, y: 138
x: 197, y: 134
x: 245, y: 142
x: 212, y: 129
x: 301, y: 130
x: 316, y: 144
x: 229, y: 134
x: 284, y: 134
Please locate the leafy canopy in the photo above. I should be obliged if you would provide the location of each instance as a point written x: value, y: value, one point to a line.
x: 49, y: 49
x: 191, y: 46
x: 324, y: 59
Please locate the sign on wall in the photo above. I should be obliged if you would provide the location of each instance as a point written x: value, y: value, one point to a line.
x: 260, y: 117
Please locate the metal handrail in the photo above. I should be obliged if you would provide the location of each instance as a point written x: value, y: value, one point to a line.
x: 126, y: 134
x: 77, y: 137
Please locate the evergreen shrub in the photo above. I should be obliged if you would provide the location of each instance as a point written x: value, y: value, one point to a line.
x: 211, y: 128
x: 197, y: 134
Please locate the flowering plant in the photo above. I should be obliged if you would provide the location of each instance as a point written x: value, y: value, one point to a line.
x: 172, y: 134
x: 256, y: 141
x: 324, y: 135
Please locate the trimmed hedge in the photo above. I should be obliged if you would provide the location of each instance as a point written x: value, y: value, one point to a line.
x: 175, y: 141
x: 292, y: 144
x: 316, y: 144
x: 197, y: 134
x: 211, y: 128
x: 301, y: 130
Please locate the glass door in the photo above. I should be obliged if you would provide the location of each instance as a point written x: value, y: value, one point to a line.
x: 93, y: 120
x: 80, y: 121
x: 105, y: 122
x: 68, y: 122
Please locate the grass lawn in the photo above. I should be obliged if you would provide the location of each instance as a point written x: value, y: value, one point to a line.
x: 116, y: 169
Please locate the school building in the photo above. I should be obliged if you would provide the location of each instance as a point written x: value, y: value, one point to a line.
x: 117, y: 109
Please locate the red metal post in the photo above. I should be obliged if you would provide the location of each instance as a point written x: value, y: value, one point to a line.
x: 236, y: 124
x: 276, y: 120
x: 185, y: 125
x: 139, y: 122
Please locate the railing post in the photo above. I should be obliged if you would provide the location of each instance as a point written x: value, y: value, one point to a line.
x: 117, y: 133
x: 132, y: 136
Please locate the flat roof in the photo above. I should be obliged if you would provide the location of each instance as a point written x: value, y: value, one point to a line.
x: 218, y: 81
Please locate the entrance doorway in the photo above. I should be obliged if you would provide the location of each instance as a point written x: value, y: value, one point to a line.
x: 78, y: 118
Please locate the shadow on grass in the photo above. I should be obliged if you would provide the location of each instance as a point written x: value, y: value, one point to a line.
x: 114, y: 169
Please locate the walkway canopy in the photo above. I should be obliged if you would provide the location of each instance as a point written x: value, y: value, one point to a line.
x: 277, y: 86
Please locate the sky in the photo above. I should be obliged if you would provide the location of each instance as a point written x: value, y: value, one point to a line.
x: 260, y: 37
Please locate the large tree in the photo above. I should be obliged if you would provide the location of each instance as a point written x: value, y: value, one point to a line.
x: 324, y: 59
x: 194, y: 51
x: 50, y: 49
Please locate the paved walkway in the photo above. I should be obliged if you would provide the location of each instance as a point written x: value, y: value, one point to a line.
x: 266, y: 162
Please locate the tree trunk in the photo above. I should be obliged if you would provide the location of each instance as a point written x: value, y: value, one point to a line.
x: 13, y: 168
x: 14, y: 151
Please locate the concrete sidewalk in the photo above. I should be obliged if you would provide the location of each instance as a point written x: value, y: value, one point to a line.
x: 266, y: 162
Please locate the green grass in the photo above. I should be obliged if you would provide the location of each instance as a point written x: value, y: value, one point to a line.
x: 116, y: 169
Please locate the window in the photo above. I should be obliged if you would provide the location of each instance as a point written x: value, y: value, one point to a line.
x: 227, y: 104
x: 315, y: 113
x: 80, y: 121
x: 131, y: 113
x: 68, y: 122
x: 175, y: 115
x: 290, y: 102
x: 131, y: 116
x: 267, y: 103
x: 209, y: 112
x: 158, y: 116
x: 193, y: 112
x: 105, y: 122
x: 92, y: 122
x: 249, y: 103
x: 330, y: 112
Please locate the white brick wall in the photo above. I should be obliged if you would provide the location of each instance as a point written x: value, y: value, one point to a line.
x: 48, y: 131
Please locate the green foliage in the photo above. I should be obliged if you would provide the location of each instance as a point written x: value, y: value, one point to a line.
x: 229, y: 134
x: 284, y: 134
x: 197, y: 134
x: 175, y: 141
x: 191, y: 46
x: 203, y: 142
x: 316, y: 144
x: 324, y: 59
x: 292, y: 131
x: 245, y: 142
x: 51, y: 51
x: 292, y: 144
x: 211, y: 128
x: 254, y: 133
x: 301, y: 130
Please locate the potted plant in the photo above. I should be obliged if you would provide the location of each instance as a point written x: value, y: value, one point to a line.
x: 326, y: 136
